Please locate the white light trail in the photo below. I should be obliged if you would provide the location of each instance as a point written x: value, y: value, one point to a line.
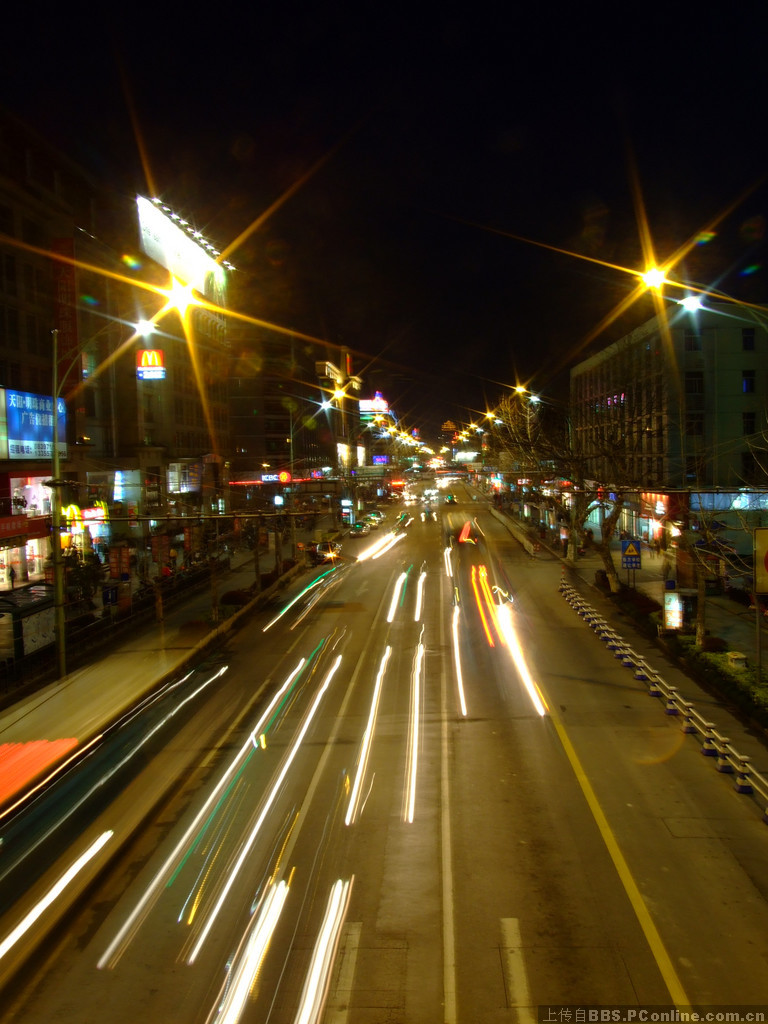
x: 380, y: 546
x: 515, y: 649
x: 414, y: 732
x: 457, y: 659
x: 419, y: 595
x: 53, y: 893
x: 249, y: 957
x: 399, y: 582
x: 245, y: 850
x: 447, y: 551
x: 365, y: 747
x: 315, y: 991
x: 134, y: 920
x: 275, y: 700
x: 287, y: 607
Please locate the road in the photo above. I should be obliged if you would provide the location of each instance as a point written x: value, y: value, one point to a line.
x: 409, y: 798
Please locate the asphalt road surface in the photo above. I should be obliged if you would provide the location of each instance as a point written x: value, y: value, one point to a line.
x: 422, y: 791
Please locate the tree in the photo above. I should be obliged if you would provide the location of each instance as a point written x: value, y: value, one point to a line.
x: 538, y: 443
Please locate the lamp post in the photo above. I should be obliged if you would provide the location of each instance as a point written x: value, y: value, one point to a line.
x: 56, y: 484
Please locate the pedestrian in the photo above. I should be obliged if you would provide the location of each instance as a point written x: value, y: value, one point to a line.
x: 12, y: 576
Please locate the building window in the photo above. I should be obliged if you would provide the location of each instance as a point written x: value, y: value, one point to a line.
x: 748, y: 467
x: 694, y: 424
x: 748, y: 339
x: 694, y: 383
x: 11, y: 287
x: 748, y: 423
x: 692, y: 340
x: 6, y: 220
x: 748, y: 382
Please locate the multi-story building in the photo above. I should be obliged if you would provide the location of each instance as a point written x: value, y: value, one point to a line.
x: 676, y: 411
x: 142, y: 415
x: 283, y: 442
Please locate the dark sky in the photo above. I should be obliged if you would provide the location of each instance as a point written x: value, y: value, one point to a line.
x: 438, y: 139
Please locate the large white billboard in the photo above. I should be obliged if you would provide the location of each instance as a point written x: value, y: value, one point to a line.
x: 169, y: 245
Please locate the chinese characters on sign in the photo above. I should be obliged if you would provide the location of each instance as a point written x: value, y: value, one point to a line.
x: 630, y: 554
x: 29, y: 420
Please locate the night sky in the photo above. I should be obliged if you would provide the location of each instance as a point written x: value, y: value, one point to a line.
x: 430, y: 146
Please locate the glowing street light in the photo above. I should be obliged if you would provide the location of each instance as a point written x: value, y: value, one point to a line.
x: 654, y: 277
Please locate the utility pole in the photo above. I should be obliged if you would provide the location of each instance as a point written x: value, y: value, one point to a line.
x: 59, y: 617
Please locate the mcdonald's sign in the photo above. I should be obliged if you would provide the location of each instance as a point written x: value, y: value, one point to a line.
x: 150, y: 364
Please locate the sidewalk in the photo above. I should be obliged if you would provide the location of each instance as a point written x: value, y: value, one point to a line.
x: 41, y: 729
x: 732, y: 622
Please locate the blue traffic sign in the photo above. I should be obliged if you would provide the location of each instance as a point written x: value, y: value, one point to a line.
x: 630, y: 554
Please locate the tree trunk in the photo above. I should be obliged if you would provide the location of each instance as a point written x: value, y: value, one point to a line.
x: 701, y: 608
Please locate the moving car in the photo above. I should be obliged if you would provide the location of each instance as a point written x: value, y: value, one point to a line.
x: 324, y: 551
x: 359, y: 529
x: 450, y: 499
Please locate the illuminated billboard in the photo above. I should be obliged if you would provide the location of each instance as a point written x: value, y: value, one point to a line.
x: 166, y: 242
x: 150, y: 364
x: 376, y: 406
x: 26, y: 431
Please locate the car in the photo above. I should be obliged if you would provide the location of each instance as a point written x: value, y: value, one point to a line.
x: 359, y: 529
x: 325, y: 551
x: 450, y: 499
x: 375, y: 513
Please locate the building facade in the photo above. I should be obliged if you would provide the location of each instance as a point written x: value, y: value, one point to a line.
x: 675, y: 414
x: 686, y: 396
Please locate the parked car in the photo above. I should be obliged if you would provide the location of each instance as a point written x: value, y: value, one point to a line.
x: 324, y: 551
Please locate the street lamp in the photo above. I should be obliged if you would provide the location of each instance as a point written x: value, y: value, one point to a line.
x: 56, y: 483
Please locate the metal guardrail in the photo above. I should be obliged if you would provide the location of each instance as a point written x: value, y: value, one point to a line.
x: 726, y: 758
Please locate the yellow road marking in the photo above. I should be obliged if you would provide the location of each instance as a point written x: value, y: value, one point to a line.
x: 654, y: 940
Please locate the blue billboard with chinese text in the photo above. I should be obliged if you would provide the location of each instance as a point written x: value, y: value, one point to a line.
x: 29, y: 425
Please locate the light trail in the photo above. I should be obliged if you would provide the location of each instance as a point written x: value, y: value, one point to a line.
x: 457, y: 659
x: 249, y: 957
x: 258, y: 728
x: 414, y: 732
x: 362, y: 761
x: 399, y: 583
x: 53, y: 893
x: 246, y: 848
x: 138, y: 915
x: 481, y: 610
x: 447, y: 561
x: 516, y: 651
x: 420, y: 595
x: 320, y: 579
x: 316, y: 986
x: 381, y: 546
x: 489, y: 601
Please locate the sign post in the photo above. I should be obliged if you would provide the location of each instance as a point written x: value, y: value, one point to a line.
x: 630, y: 556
